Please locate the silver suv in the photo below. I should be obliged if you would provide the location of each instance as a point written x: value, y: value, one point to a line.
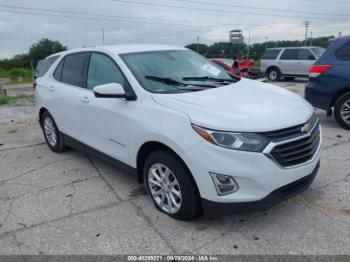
x: 289, y: 62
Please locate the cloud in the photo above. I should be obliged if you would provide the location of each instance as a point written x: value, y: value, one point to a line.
x: 132, y: 23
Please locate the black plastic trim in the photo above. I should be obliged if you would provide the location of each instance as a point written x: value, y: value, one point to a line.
x: 218, y: 209
x: 72, y: 142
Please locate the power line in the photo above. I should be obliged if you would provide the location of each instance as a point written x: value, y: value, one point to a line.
x: 87, y: 15
x: 223, y: 11
x: 261, y: 8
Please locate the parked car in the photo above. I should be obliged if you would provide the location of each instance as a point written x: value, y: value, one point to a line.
x: 200, y: 138
x: 242, y: 68
x: 329, y: 81
x: 289, y: 62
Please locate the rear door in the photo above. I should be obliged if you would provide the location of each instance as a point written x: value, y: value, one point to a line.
x: 288, y: 61
x: 305, y: 61
x: 69, y: 93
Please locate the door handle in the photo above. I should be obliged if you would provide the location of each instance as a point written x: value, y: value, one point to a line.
x: 52, y: 88
x: 85, y: 100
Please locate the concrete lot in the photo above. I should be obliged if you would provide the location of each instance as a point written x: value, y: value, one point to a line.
x: 73, y: 204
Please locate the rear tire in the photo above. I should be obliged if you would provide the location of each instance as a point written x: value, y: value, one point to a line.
x: 168, y: 181
x: 274, y: 74
x: 342, y: 111
x: 52, y: 135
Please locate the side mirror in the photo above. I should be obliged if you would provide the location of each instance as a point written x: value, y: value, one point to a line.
x: 112, y: 90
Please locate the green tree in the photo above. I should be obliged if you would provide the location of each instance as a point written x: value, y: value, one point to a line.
x: 202, y: 48
x: 44, y: 48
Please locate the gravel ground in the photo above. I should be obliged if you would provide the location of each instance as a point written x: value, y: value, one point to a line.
x: 72, y: 204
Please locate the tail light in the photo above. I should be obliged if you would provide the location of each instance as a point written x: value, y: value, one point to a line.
x: 317, y: 70
x: 34, y: 84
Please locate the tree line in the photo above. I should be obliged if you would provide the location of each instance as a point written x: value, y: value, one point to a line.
x: 46, y: 47
x: 229, y: 50
x: 37, y: 51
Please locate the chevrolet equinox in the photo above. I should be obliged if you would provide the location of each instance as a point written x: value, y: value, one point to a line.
x: 200, y: 138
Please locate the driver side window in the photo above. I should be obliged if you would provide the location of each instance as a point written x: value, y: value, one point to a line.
x: 102, y: 70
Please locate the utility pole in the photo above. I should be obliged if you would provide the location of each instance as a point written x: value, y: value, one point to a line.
x: 103, y: 36
x: 307, y: 25
x: 310, y: 38
x: 266, y: 42
x: 339, y: 35
x: 198, y: 44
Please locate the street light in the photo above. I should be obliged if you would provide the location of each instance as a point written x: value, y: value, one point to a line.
x: 197, y: 44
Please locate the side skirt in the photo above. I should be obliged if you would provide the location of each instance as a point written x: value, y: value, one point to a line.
x: 79, y: 146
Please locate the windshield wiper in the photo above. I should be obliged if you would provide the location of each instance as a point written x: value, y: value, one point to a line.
x: 165, y: 80
x: 208, y: 78
x: 170, y: 81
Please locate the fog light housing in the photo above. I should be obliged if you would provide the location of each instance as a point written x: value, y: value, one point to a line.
x: 224, y: 184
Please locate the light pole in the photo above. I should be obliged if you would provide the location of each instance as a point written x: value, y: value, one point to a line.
x: 103, y: 36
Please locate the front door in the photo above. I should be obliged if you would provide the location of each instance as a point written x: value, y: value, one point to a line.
x: 107, y: 122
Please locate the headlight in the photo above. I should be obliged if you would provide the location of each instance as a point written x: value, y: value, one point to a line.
x: 239, y: 141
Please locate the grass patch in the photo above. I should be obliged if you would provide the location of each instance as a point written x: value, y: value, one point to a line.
x: 12, y: 131
x: 6, y: 99
x: 15, y: 73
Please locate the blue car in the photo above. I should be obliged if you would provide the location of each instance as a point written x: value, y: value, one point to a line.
x: 329, y: 84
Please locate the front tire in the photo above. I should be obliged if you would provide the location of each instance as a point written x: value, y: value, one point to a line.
x: 170, y: 186
x: 51, y: 133
x: 274, y: 74
x: 342, y: 111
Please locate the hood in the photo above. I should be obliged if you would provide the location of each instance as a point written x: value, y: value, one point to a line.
x: 245, y: 106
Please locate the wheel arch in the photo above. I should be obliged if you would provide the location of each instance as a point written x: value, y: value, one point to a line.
x: 339, y: 95
x: 272, y: 67
x: 151, y: 146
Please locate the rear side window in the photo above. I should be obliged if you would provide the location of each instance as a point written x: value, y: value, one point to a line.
x: 271, y: 54
x: 44, y: 65
x: 343, y: 53
x: 305, y: 54
x: 73, y: 69
x: 102, y: 70
x: 58, y: 72
x: 290, y: 54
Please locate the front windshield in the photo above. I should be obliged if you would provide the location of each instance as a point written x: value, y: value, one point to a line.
x: 170, y: 71
x: 318, y: 51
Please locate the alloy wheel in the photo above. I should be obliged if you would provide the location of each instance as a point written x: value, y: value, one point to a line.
x: 345, y: 111
x: 164, y: 188
x: 50, y: 131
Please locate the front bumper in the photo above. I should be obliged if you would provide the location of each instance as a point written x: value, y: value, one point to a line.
x: 217, y: 209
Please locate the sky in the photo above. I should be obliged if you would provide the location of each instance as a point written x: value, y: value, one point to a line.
x: 177, y: 22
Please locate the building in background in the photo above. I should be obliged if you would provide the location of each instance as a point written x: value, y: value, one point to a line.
x: 236, y: 36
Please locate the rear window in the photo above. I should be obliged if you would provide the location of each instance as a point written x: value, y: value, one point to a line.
x: 44, y: 65
x: 318, y: 51
x: 271, y: 54
x: 290, y: 54
x: 343, y: 53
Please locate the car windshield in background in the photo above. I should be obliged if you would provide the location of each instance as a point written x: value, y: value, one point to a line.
x: 175, y: 71
x: 318, y: 51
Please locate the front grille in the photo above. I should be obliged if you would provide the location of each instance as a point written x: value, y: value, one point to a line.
x: 298, y: 151
x: 291, y: 132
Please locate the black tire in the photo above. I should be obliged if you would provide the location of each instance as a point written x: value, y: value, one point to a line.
x: 274, y: 74
x: 59, y: 145
x: 338, y: 107
x: 190, y: 205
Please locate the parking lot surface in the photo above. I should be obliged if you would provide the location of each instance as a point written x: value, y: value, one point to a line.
x: 71, y: 203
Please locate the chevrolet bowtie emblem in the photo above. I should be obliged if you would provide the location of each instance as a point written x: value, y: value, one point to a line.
x: 306, y: 128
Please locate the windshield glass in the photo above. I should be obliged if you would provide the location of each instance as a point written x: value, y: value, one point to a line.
x: 169, y: 71
x: 318, y: 51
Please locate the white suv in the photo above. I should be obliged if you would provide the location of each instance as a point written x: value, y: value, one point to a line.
x: 201, y: 139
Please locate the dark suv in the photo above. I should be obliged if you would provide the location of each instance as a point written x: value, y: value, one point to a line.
x: 329, y: 84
